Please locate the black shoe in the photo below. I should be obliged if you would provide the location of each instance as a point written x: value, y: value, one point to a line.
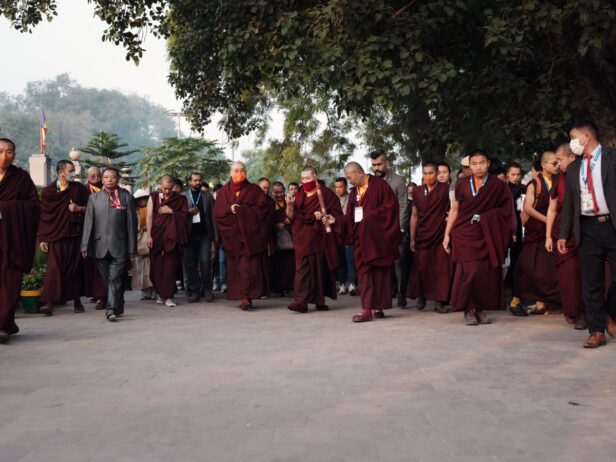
x: 322, y: 308
x: 518, y: 310
x: 401, y: 301
x: 440, y: 307
x: 421, y: 304
x: 4, y: 337
x: 580, y: 323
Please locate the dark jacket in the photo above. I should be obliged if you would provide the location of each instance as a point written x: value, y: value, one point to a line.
x: 206, y: 210
x: 570, y: 215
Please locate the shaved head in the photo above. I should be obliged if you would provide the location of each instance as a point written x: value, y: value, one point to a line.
x: 238, y: 167
x: 309, y: 168
x: 546, y: 156
x: 94, y: 175
x: 354, y: 167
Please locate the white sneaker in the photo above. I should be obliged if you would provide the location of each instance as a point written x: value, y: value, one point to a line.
x: 215, y: 288
x: 170, y: 303
x: 342, y: 290
x: 352, y: 289
x: 159, y: 301
x: 223, y: 288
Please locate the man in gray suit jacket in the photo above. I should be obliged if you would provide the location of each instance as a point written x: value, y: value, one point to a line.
x: 380, y: 168
x: 109, y: 236
x: 590, y: 199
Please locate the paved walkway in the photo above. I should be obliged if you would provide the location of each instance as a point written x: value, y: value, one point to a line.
x: 209, y: 382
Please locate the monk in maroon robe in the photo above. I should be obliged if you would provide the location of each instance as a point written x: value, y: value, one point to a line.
x: 94, y: 286
x: 282, y: 262
x: 568, y: 264
x: 432, y: 270
x: 372, y: 222
x: 63, y: 206
x: 479, y: 228
x: 19, y: 217
x: 536, y: 268
x: 168, y: 230
x: 243, y: 216
x: 316, y: 250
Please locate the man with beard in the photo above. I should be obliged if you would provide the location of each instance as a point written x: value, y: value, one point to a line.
x: 568, y: 264
x: 372, y: 223
x: 63, y: 204
x: 243, y: 217
x: 316, y: 250
x: 168, y: 231
x: 19, y: 217
x: 431, y: 272
x: 478, y: 232
x: 380, y: 168
x: 517, y: 190
x: 536, y: 268
x: 282, y: 262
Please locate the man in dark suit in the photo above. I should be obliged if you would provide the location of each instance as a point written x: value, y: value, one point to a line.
x: 202, y: 234
x: 590, y: 196
x: 110, y: 235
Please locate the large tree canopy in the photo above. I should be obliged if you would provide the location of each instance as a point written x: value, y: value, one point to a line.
x: 423, y: 75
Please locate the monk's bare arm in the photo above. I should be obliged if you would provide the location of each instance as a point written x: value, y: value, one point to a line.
x: 148, y: 220
x: 529, y: 201
x: 451, y: 220
x: 550, y: 224
x: 413, y: 227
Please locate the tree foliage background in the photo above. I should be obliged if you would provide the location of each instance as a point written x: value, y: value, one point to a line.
x: 74, y: 114
x: 421, y: 77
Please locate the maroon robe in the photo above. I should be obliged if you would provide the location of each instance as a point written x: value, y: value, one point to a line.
x: 61, y: 228
x: 19, y: 210
x: 430, y: 277
x: 94, y: 286
x: 169, y: 233
x: 282, y: 262
x: 479, y: 249
x: 376, y: 240
x: 536, y: 268
x: 316, y: 251
x: 567, y: 265
x: 245, y: 237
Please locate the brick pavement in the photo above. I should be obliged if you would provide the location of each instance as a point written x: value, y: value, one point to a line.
x: 208, y: 382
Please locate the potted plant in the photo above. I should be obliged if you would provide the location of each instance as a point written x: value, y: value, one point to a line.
x: 31, y: 286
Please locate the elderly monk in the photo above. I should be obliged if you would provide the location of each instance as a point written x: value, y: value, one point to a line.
x: 479, y: 228
x: 316, y: 250
x: 282, y: 262
x: 63, y: 206
x: 94, y: 286
x: 373, y: 224
x: 243, y: 216
x: 19, y: 217
x: 536, y: 268
x: 568, y: 268
x: 168, y: 229
x: 431, y: 273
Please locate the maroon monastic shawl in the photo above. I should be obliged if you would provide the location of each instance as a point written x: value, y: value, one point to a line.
x: 489, y: 238
x: 432, y: 211
x: 534, y: 230
x: 19, y: 206
x: 57, y: 221
x: 247, y: 231
x: 169, y: 230
x: 309, y: 235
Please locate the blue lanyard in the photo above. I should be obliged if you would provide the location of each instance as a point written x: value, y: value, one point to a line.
x: 473, y: 185
x: 193, y: 200
x: 593, y: 162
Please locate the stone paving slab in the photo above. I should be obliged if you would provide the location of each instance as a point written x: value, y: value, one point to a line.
x: 208, y: 382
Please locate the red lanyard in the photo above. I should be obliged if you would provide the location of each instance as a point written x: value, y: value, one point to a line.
x: 115, y: 201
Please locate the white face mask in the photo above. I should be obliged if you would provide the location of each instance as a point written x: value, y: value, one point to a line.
x: 576, y: 147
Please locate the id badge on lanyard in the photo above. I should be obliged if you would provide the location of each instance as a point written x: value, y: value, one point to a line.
x: 359, y: 210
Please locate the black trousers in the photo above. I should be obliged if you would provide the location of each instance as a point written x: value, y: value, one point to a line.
x: 597, y: 243
x: 112, y: 273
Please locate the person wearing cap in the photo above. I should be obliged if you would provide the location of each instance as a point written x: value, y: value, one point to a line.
x: 464, y: 172
x: 141, y: 261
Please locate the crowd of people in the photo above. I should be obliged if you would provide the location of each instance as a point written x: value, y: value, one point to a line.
x: 457, y: 242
